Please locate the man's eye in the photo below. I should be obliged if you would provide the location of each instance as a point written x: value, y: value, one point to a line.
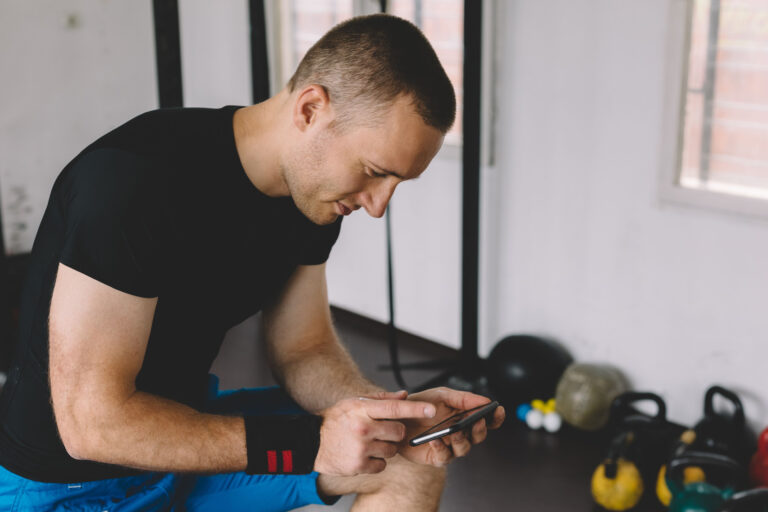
x: 378, y: 174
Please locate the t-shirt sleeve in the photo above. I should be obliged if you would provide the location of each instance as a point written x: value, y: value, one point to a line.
x: 319, y: 243
x: 108, y: 207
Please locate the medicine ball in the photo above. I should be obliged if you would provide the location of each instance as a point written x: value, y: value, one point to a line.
x: 521, y: 368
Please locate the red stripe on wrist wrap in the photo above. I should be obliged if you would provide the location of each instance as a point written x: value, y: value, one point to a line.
x: 282, y: 444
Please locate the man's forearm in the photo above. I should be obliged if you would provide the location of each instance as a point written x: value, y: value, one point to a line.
x: 153, y: 433
x: 321, y: 376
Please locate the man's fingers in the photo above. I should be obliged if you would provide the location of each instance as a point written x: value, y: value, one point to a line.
x: 393, y: 431
x: 382, y: 449
x: 479, y: 432
x: 388, y: 395
x: 441, y: 454
x: 498, y: 418
x: 374, y: 465
x: 461, y: 400
x: 397, y: 409
x: 460, y: 445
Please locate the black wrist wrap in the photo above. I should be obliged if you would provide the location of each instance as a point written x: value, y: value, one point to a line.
x: 284, y: 444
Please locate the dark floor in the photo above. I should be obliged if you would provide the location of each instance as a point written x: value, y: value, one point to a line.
x: 515, y: 469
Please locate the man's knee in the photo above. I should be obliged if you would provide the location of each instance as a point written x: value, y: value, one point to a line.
x: 404, y: 474
x: 400, y: 476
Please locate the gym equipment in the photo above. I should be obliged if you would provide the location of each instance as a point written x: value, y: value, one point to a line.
x: 522, y: 411
x: 715, y: 433
x: 585, y: 392
x: 758, y: 467
x: 635, y: 453
x: 521, y: 368
x: 754, y: 500
x: 691, y: 474
x: 540, y: 414
x: 725, y: 434
x: 619, y: 488
x: 552, y: 422
x: 701, y: 496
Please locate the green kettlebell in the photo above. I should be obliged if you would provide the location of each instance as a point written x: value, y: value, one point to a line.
x: 700, y: 496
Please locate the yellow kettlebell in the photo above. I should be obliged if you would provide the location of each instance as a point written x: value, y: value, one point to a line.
x: 621, y: 492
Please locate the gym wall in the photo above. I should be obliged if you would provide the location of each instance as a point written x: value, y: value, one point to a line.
x: 70, y: 72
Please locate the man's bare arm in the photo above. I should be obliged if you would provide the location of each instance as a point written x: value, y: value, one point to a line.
x: 305, y: 353
x: 317, y: 371
x: 98, y: 337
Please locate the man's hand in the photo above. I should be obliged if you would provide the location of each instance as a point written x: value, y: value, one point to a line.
x: 357, y: 435
x: 448, y: 402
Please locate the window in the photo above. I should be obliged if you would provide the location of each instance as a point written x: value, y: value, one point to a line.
x: 442, y: 22
x: 725, y: 125
x: 302, y: 22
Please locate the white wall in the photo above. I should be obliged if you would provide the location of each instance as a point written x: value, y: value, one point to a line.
x: 588, y: 253
x: 71, y: 71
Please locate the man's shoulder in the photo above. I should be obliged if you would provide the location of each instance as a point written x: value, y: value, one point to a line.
x: 159, y: 126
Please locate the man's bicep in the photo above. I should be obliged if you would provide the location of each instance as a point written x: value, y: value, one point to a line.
x: 300, y: 317
x: 97, y: 336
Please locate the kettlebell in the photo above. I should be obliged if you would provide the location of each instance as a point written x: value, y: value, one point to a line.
x: 724, y: 434
x: 635, y: 453
x: 758, y: 468
x: 753, y: 500
x: 617, y: 483
x: 701, y: 496
x: 691, y: 474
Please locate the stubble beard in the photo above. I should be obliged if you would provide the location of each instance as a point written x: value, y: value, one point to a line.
x: 303, y: 176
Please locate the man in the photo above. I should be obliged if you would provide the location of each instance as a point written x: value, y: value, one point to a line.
x: 178, y: 225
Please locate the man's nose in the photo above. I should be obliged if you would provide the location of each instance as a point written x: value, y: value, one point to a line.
x: 376, y: 199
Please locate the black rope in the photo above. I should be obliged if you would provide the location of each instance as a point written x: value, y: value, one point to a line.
x: 392, y: 331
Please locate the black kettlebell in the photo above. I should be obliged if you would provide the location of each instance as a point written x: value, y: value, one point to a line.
x: 753, y: 500
x: 725, y: 434
x: 701, y: 496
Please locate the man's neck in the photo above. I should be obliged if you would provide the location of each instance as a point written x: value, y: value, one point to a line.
x: 258, y: 138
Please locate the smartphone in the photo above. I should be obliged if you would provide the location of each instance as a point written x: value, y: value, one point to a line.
x: 460, y: 421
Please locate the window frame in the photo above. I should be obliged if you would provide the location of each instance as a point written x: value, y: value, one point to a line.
x: 671, y: 192
x: 278, y: 30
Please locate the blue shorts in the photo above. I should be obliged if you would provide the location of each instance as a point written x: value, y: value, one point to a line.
x: 175, y: 491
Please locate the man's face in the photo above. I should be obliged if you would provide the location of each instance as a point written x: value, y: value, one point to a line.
x: 334, y: 172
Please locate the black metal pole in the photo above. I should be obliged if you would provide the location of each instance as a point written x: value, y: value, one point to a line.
x: 466, y: 372
x: 5, y: 305
x: 259, y: 55
x: 168, y: 53
x: 471, y: 193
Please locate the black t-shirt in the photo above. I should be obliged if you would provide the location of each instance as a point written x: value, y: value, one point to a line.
x: 159, y: 207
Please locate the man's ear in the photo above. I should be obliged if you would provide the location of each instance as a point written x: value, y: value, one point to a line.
x: 312, y: 104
